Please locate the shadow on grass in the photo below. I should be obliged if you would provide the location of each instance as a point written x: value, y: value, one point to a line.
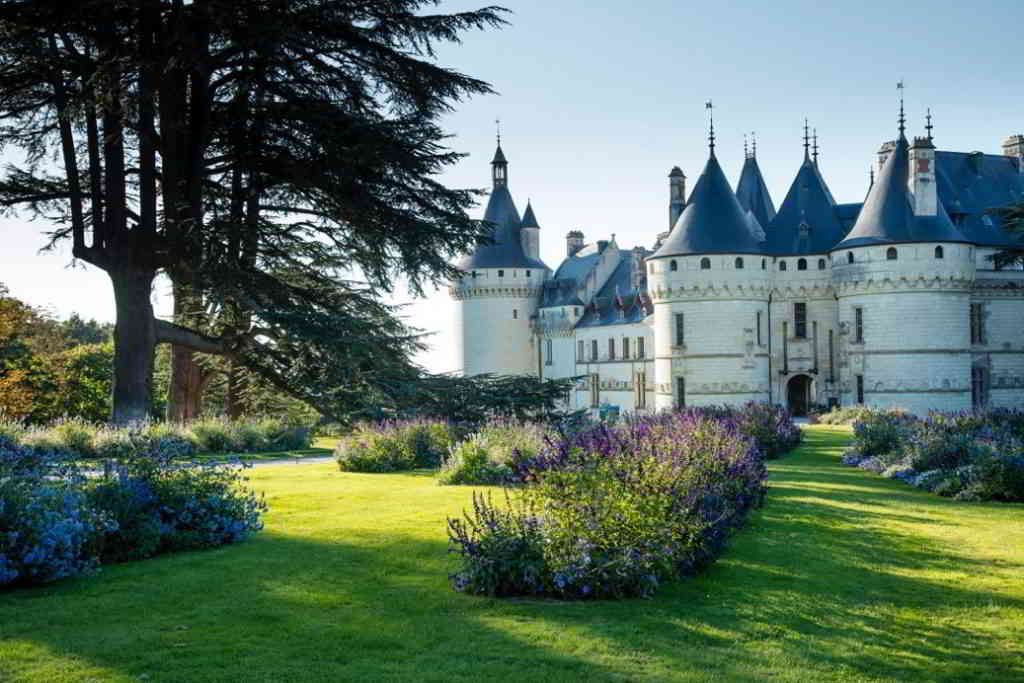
x: 816, y: 588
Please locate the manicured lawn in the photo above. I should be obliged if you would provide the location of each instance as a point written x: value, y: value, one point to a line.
x: 323, y: 447
x: 841, y: 576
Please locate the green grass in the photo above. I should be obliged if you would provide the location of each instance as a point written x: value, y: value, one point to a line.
x: 323, y: 447
x: 841, y: 576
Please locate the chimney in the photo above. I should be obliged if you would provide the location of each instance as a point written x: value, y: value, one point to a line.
x: 676, y: 195
x: 637, y: 269
x: 573, y: 242
x: 921, y: 177
x: 1013, y: 146
x: 884, y: 151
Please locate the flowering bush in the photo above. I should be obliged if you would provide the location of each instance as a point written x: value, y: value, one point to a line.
x: 770, y: 426
x: 969, y: 456
x: 394, y: 446
x: 55, y: 522
x: 614, y: 511
x: 493, y: 454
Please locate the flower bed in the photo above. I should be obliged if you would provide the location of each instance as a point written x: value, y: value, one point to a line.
x: 967, y: 456
x: 612, y: 512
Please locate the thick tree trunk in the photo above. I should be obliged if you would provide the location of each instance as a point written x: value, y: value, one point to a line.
x: 134, y: 344
x: 235, y: 385
x: 188, y: 379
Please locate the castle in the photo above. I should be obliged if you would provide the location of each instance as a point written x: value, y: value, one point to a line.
x: 895, y: 301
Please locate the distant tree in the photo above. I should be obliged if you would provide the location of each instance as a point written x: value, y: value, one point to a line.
x: 277, y: 159
x: 1013, y: 223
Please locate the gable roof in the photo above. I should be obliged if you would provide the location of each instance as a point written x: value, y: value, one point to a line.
x: 752, y: 193
x: 713, y: 221
x: 808, y: 220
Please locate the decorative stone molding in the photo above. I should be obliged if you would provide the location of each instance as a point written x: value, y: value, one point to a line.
x: 461, y: 293
x: 958, y: 281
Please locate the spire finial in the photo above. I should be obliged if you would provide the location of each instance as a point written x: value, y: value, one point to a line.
x: 746, y: 150
x: 753, y: 151
x: 711, y: 126
x: 497, y: 128
x: 814, y: 149
x: 928, y: 127
x: 903, y: 119
x: 807, y: 139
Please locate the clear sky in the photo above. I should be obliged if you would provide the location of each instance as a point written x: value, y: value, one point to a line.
x: 598, y: 100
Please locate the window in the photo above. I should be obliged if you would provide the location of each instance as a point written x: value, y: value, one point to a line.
x: 858, y: 325
x: 801, y: 264
x: 640, y: 389
x: 764, y: 264
x: 593, y: 349
x: 681, y: 392
x: 625, y: 348
x: 890, y: 254
x: 860, y: 388
x: 758, y: 328
x: 849, y: 257
x: 705, y: 264
x: 639, y: 347
x: 978, y: 388
x: 739, y: 263
x: 501, y: 273
x: 831, y: 358
x: 527, y: 273
x: 680, y: 334
x: 782, y: 265
x: 673, y: 266
x: 580, y: 351
x: 575, y: 311
x: 611, y: 349
x: 821, y: 264
x: 550, y: 353
x: 800, y: 320
x: 977, y: 324
x: 939, y: 253
x: 595, y: 389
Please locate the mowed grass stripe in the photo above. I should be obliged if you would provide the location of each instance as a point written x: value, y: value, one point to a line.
x: 842, y: 576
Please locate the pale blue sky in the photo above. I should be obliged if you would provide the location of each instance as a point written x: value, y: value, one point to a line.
x: 599, y: 100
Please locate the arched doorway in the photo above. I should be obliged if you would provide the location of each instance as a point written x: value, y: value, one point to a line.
x: 798, y: 395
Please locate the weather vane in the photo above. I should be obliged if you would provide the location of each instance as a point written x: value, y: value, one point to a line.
x: 928, y: 126
x: 903, y: 119
x: 497, y: 127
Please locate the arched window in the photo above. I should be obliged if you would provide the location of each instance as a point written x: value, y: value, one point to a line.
x: 739, y: 263
x: 673, y: 266
x: 801, y: 264
x: 821, y: 264
x: 764, y: 264
x: 939, y: 253
x: 849, y: 257
x: 705, y: 263
x: 890, y: 254
x: 782, y: 265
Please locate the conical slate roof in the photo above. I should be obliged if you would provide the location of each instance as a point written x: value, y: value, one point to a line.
x: 499, y: 156
x: 713, y: 221
x: 752, y: 193
x: 529, y: 220
x: 507, y: 249
x: 807, y: 222
x: 888, y: 216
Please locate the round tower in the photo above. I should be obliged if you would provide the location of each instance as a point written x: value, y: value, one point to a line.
x: 499, y: 290
x: 903, y: 279
x: 710, y: 297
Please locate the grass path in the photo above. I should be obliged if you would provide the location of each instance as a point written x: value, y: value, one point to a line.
x: 841, y: 576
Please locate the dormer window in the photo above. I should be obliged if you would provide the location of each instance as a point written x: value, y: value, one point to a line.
x: 805, y: 229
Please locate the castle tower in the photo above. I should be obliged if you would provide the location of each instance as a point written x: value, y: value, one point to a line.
x: 709, y: 293
x: 676, y: 195
x: 903, y: 278
x: 530, y: 231
x: 499, y: 290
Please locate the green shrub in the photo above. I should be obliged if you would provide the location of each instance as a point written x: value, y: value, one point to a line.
x: 11, y: 431
x: 75, y: 436
x: 494, y: 454
x: 394, y: 446
x: 470, y: 463
x: 881, y: 432
x: 214, y: 435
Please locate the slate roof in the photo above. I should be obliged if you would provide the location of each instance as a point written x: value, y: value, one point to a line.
x: 506, y: 251
x: 808, y: 220
x: 560, y: 290
x: 713, y: 221
x: 887, y: 215
x: 529, y: 220
x: 969, y: 183
x: 752, y: 193
x: 617, y: 303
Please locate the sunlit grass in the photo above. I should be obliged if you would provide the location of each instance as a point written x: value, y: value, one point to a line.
x: 841, y: 576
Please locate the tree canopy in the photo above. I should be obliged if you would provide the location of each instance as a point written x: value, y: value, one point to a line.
x: 277, y: 159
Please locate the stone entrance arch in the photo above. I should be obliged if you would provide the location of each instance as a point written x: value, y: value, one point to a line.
x: 798, y: 395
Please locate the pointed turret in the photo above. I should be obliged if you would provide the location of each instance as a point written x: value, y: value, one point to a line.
x: 888, y: 213
x: 529, y: 219
x: 676, y: 195
x: 752, y: 193
x: 530, y: 231
x: 713, y: 221
x: 506, y: 250
x: 807, y: 222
